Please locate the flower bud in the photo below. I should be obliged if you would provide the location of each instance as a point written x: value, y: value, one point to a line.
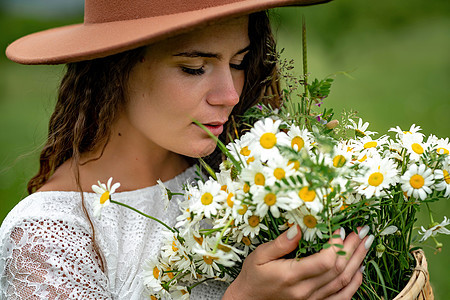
x: 380, y: 249
x: 332, y: 124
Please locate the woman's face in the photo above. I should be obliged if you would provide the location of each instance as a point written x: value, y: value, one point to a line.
x: 195, y: 76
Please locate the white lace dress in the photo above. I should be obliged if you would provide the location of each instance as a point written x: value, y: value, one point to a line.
x: 47, y: 252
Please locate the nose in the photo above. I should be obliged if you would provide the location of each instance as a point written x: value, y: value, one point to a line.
x: 226, y: 89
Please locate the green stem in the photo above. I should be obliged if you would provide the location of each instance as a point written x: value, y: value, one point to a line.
x: 145, y: 215
x: 305, y: 58
x: 221, y: 235
x: 429, y: 213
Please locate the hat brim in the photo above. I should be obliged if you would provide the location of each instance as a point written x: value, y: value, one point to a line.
x: 80, y: 42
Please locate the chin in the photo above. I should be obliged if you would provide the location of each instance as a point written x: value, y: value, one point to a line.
x: 203, y: 151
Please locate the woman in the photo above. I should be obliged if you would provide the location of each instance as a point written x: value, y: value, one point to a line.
x: 125, y: 109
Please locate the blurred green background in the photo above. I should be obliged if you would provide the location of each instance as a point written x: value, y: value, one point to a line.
x: 397, y: 52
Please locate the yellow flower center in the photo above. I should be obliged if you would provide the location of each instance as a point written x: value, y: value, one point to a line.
x: 169, y: 273
x: 223, y: 248
x: 306, y: 194
x: 207, y: 198
x: 299, y: 142
x: 250, y: 159
x: 417, y: 148
x: 417, y: 181
x: 446, y: 177
x: 224, y: 188
x: 246, y: 188
x: 246, y: 241
x: 363, y: 158
x: 376, y: 178
x: 153, y: 297
x: 156, y: 272
x: 245, y: 151
x: 270, y: 199
x: 174, y: 247
x: 260, y: 179
x: 371, y: 144
x: 295, y: 163
x: 104, y: 197
x: 339, y: 161
x: 279, y: 173
x: 253, y: 221
x: 208, y: 259
x: 310, y: 221
x: 229, y: 201
x: 198, y: 239
x: 442, y: 151
x: 268, y: 140
x: 243, y: 209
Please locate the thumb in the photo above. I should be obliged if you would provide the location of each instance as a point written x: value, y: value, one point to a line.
x: 279, y: 247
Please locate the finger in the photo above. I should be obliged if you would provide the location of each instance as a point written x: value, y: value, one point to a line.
x: 340, y: 281
x: 348, y: 291
x: 317, y: 264
x: 279, y: 247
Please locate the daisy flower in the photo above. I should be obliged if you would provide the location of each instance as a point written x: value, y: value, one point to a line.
x: 211, y: 199
x: 104, y: 191
x: 257, y: 174
x: 252, y: 225
x: 400, y: 134
x: 297, y: 139
x: 341, y: 156
x: 443, y: 146
x: 179, y: 292
x: 268, y: 200
x: 151, y: 275
x: 308, y: 220
x: 310, y: 197
x: 443, y: 179
x: 381, y: 174
x: 279, y: 168
x: 265, y: 135
x: 239, y: 148
x: 367, y: 147
x: 435, y: 229
x: 360, y: 128
x: 414, y: 145
x: 417, y: 181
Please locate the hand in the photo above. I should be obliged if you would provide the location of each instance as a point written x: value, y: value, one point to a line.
x: 324, y: 275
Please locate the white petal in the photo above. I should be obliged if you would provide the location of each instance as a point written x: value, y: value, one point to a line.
x: 389, y: 230
x: 115, y: 187
x: 98, y: 189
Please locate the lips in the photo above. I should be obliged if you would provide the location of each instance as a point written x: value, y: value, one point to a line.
x: 216, y: 128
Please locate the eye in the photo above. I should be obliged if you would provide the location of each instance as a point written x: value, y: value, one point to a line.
x: 193, y: 71
x: 241, y: 66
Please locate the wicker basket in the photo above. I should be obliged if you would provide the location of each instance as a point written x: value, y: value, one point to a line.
x: 418, y: 287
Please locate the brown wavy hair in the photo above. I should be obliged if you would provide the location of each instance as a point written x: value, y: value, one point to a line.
x: 92, y: 93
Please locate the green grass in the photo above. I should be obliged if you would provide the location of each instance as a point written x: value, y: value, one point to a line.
x: 396, y: 52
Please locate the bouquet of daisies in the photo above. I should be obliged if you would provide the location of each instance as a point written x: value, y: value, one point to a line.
x: 281, y: 174
x: 298, y: 166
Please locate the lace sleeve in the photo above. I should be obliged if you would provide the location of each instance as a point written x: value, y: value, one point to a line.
x: 50, y: 259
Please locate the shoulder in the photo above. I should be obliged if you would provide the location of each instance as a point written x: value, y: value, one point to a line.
x: 55, y: 206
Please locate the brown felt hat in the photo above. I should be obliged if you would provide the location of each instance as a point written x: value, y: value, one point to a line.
x: 114, y: 26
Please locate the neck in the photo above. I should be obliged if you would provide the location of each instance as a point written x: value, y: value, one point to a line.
x: 128, y: 158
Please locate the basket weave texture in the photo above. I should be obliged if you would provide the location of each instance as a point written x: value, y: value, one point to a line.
x: 418, y: 287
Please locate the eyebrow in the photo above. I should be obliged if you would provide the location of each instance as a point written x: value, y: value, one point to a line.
x: 195, y: 53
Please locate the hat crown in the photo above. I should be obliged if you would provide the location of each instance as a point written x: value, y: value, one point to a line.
x: 101, y: 11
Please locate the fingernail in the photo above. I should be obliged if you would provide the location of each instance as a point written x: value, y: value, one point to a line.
x: 362, y: 269
x: 363, y: 232
x: 369, y: 241
x: 342, y: 233
x: 292, y: 232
